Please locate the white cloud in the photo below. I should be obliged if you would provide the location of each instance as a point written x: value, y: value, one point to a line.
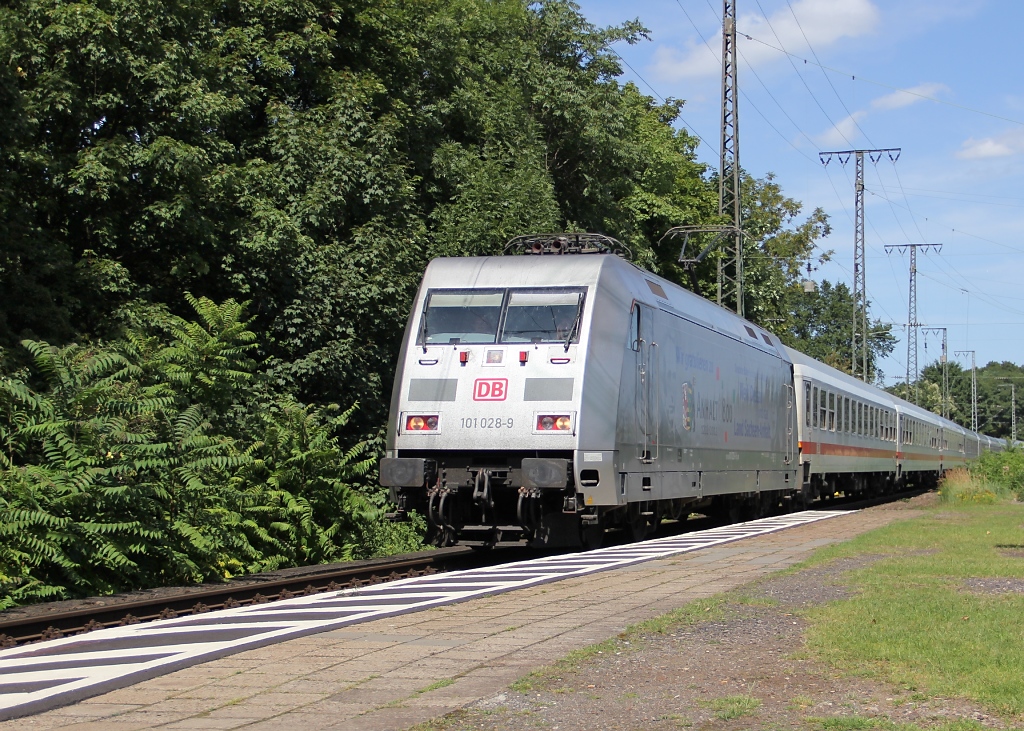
x: 824, y: 21
x: 1006, y: 144
x: 848, y: 129
x: 906, y: 97
x: 844, y: 133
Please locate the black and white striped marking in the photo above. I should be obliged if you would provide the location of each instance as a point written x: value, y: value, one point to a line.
x: 57, y: 672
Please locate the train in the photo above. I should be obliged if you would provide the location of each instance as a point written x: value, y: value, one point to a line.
x: 559, y: 391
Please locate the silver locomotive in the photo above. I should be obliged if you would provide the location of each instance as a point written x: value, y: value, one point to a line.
x: 548, y: 397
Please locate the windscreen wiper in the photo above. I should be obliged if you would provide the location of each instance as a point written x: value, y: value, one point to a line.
x: 575, y: 323
x: 423, y: 329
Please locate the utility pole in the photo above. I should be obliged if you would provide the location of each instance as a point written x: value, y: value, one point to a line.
x: 945, y: 369
x: 860, y: 289
x: 974, y: 389
x: 1013, y: 404
x: 730, y: 264
x: 1013, y: 411
x: 912, y: 323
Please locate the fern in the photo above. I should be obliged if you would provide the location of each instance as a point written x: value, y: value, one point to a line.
x: 138, y: 463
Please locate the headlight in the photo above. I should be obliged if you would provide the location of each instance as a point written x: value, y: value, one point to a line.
x: 421, y: 422
x: 554, y: 422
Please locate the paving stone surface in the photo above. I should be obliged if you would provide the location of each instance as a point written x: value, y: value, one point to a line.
x: 393, y: 673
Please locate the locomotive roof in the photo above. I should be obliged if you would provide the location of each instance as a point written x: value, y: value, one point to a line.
x: 586, y: 269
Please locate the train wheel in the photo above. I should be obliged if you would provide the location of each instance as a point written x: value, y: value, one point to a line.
x: 591, y: 536
x: 638, y: 525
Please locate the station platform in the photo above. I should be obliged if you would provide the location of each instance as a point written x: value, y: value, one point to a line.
x: 406, y: 668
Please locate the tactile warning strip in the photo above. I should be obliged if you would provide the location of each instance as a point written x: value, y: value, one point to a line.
x: 56, y: 672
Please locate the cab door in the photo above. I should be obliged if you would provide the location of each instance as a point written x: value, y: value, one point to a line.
x: 645, y: 349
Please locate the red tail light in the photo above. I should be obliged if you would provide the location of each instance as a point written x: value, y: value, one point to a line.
x: 554, y: 422
x: 425, y: 422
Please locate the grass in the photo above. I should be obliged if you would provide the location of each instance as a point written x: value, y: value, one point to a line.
x: 442, y: 683
x: 801, y: 702
x: 857, y: 723
x: 912, y: 623
x: 732, y: 706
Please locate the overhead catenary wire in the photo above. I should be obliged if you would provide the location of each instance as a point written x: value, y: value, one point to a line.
x: 663, y: 99
x: 803, y: 80
x: 881, y: 84
x: 807, y: 40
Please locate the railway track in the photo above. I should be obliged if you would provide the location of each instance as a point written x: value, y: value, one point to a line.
x: 44, y: 622
x: 171, y: 602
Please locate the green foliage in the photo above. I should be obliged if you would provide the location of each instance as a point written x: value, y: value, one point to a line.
x: 113, y: 476
x: 994, y: 394
x: 967, y: 487
x: 820, y: 324
x: 1003, y: 469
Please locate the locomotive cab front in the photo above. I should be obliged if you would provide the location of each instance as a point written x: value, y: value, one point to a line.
x: 484, y: 415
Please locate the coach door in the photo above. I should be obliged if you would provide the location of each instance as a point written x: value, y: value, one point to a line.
x: 646, y: 382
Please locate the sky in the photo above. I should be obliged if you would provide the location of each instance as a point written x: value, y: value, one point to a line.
x: 940, y: 79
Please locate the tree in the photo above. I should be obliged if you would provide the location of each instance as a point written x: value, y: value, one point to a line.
x: 819, y: 324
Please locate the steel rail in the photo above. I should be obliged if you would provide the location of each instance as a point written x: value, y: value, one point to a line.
x: 255, y: 589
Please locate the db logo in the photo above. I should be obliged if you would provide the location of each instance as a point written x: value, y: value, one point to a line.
x: 490, y: 389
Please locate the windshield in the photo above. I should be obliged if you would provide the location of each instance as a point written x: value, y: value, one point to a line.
x: 538, y: 317
x: 473, y: 316
x: 462, y: 317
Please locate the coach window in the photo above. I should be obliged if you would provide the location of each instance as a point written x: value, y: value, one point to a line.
x: 814, y: 406
x: 823, y: 410
x: 831, y: 411
x: 839, y: 413
x: 807, y: 403
x: 846, y: 415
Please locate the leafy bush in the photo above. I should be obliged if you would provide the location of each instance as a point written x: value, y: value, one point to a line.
x: 959, y: 486
x: 140, y: 463
x: 1002, y: 468
x: 992, y: 477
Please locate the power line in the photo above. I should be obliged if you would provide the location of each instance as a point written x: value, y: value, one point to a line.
x: 802, y: 79
x: 808, y: 41
x: 883, y: 85
x: 664, y: 100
